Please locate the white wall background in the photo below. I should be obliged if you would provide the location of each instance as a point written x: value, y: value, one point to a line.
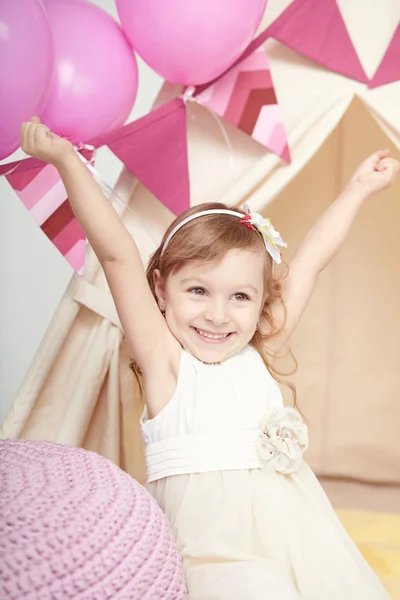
x: 34, y: 275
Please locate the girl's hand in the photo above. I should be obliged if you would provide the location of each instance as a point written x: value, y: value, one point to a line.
x: 376, y: 172
x: 38, y: 141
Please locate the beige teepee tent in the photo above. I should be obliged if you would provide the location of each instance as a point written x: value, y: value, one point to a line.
x: 79, y: 389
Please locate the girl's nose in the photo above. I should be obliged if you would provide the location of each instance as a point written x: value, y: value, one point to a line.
x: 217, y: 313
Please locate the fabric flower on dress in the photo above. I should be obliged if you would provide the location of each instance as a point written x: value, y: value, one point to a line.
x: 283, y: 440
x: 272, y: 238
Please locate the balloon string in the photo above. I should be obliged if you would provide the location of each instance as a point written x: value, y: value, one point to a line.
x: 188, y: 96
x: 107, y: 189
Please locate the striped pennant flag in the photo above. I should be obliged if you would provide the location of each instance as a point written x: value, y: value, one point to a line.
x: 42, y: 192
x: 245, y: 97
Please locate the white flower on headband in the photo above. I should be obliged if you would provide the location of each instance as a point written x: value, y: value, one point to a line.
x: 272, y: 238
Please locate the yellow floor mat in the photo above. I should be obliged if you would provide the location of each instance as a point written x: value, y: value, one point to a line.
x: 377, y: 535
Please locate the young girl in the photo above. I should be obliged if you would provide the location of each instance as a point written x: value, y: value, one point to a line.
x: 223, y: 454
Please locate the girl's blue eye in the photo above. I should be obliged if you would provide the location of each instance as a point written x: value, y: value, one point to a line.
x: 197, y: 291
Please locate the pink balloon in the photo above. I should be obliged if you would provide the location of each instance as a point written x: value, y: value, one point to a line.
x: 26, y: 67
x: 190, y: 41
x: 96, y: 76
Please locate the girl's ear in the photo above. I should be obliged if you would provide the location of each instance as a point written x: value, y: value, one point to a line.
x: 159, y: 288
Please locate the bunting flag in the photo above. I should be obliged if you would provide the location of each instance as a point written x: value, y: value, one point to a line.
x: 42, y: 192
x: 389, y: 69
x: 245, y: 97
x: 316, y: 29
x: 154, y: 149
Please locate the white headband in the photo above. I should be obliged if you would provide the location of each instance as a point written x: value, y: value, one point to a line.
x: 272, y: 238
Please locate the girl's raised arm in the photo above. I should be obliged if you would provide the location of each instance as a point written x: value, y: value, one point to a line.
x: 149, y: 339
x: 326, y: 237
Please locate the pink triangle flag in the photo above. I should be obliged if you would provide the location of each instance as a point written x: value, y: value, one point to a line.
x: 389, y: 69
x: 245, y: 97
x: 154, y: 149
x: 315, y: 28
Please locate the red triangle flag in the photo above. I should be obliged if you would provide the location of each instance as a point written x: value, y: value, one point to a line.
x: 154, y: 148
x: 389, y: 69
x: 315, y: 28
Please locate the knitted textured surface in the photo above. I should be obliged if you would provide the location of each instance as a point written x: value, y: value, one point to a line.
x: 73, y: 525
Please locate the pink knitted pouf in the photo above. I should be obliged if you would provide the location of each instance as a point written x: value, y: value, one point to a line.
x: 74, y: 526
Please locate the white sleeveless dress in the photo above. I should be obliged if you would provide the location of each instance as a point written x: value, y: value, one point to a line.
x: 224, y: 462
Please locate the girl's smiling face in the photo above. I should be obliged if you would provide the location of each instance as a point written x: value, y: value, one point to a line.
x: 212, y: 308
